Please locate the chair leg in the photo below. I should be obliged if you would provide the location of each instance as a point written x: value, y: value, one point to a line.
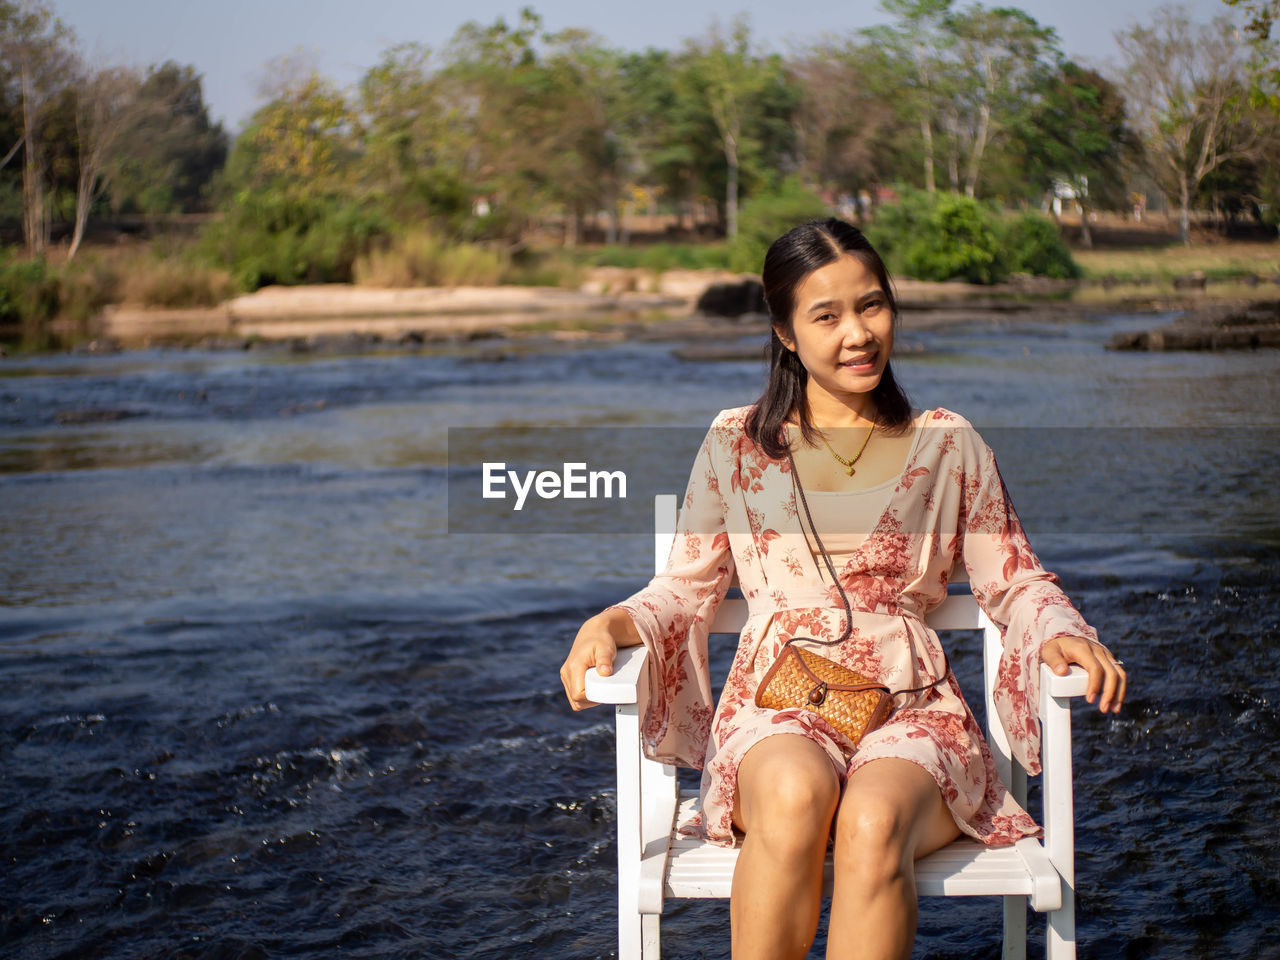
x: 650, y: 944
x: 1060, y: 933
x: 1015, y: 928
x: 630, y: 936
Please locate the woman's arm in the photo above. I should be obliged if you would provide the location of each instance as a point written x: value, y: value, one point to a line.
x: 596, y: 645
x: 1037, y: 620
x: 671, y: 617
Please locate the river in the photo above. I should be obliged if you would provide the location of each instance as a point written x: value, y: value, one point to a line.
x: 266, y: 691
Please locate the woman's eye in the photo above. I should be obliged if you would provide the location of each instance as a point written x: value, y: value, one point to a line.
x: 871, y: 306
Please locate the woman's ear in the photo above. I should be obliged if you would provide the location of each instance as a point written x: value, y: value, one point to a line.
x: 784, y: 339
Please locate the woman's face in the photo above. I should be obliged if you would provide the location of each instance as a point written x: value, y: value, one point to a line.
x: 841, y: 328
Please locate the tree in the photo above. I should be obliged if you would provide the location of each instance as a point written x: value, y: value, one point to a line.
x: 105, y: 103
x: 586, y: 169
x: 1078, y: 134
x: 414, y: 146
x: 36, y: 46
x: 730, y: 78
x: 1001, y: 55
x: 300, y: 141
x: 666, y: 134
x: 1246, y: 186
x: 1265, y: 66
x: 174, y: 149
x: 845, y: 115
x: 914, y: 50
x: 505, y: 110
x: 1186, y: 86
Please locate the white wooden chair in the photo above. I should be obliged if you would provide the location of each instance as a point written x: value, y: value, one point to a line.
x: 656, y: 862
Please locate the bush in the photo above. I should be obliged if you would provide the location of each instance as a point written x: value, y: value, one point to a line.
x: 421, y: 259
x: 1034, y: 245
x: 534, y: 268
x: 941, y: 236
x: 175, y: 283
x: 30, y: 291
x: 33, y: 293
x: 269, y: 236
x: 85, y: 287
x: 767, y: 216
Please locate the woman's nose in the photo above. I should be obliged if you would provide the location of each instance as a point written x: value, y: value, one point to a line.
x: 855, y: 332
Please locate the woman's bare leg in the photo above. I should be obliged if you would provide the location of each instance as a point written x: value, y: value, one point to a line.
x: 892, y: 813
x: 787, y: 795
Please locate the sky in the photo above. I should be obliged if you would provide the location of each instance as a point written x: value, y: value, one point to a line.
x: 232, y: 42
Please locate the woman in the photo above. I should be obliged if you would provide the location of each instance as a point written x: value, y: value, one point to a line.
x: 897, y: 498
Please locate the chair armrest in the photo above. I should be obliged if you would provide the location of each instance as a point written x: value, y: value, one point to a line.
x: 1074, y: 684
x: 621, y: 685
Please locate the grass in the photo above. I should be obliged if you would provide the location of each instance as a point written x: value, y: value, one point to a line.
x: 712, y: 255
x: 1160, y: 265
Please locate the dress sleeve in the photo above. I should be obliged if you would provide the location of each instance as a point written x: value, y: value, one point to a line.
x: 1017, y: 593
x: 673, y: 613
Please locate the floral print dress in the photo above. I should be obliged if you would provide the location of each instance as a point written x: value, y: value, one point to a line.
x: 948, y: 506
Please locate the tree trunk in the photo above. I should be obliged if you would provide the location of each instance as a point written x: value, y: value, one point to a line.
x: 84, y: 200
x: 1086, y: 236
x: 1184, y: 215
x: 953, y: 153
x: 613, y: 223
x: 926, y: 131
x: 570, y: 234
x: 731, y: 192
x: 979, y: 147
x: 32, y: 194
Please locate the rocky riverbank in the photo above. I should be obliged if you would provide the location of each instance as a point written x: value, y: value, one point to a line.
x: 1221, y: 326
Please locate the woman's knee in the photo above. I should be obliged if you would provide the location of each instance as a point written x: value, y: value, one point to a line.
x: 872, y: 837
x: 787, y: 796
x: 873, y: 818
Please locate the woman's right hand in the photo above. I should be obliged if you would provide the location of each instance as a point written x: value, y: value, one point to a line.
x: 595, y: 645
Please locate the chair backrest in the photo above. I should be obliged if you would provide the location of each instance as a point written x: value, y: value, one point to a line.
x: 960, y: 611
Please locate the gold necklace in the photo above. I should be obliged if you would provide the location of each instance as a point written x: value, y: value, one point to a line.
x: 848, y: 464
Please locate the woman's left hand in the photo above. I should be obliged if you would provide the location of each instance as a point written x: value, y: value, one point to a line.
x: 1106, y: 673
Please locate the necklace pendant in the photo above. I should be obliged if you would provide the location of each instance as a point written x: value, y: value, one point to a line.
x: 851, y: 471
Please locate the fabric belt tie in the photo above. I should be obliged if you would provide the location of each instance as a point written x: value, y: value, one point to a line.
x: 760, y: 606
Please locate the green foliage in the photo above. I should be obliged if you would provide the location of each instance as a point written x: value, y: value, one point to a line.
x: 33, y: 292
x: 1034, y: 245
x: 173, y: 149
x: 664, y: 256
x: 941, y: 236
x: 945, y: 236
x: 767, y: 216
x: 1077, y: 131
x: 272, y: 237
x: 30, y: 291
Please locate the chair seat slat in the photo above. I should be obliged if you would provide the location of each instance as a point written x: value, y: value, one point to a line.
x: 696, y: 869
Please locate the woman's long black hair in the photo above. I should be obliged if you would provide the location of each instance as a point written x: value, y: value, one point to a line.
x: 790, y: 259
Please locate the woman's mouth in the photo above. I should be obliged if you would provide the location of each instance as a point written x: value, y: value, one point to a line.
x: 863, y: 363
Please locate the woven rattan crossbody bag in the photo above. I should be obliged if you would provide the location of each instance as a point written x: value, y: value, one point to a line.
x: 800, y: 679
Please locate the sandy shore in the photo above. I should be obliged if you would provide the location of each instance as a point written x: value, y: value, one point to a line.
x: 278, y: 313
x: 611, y: 302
